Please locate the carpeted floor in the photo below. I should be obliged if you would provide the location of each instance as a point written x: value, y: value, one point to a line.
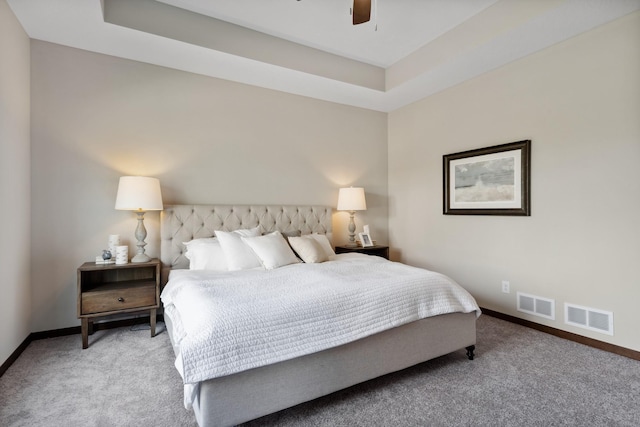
x: 520, y: 377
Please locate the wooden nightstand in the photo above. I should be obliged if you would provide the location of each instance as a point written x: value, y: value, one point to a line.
x: 377, y: 250
x: 110, y: 289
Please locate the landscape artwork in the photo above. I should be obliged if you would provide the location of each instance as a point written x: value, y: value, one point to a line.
x: 485, y: 181
x: 488, y: 181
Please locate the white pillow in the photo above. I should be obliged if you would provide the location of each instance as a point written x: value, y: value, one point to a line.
x: 324, y: 242
x: 272, y: 250
x: 308, y: 249
x: 205, y: 254
x: 238, y: 255
x: 199, y: 241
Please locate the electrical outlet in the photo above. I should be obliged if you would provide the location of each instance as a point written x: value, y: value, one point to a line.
x: 505, y: 286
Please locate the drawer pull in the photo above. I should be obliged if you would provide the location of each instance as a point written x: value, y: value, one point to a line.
x: 121, y: 299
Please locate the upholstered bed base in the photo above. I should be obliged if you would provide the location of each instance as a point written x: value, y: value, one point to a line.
x: 257, y: 392
x: 251, y: 394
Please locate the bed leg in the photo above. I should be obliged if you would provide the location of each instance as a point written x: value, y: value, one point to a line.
x: 470, y: 351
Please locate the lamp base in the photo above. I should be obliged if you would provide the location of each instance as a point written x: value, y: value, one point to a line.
x: 141, y: 258
x: 141, y: 234
x: 352, y: 230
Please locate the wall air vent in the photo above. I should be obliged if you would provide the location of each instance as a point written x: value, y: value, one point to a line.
x: 538, y: 306
x: 589, y: 318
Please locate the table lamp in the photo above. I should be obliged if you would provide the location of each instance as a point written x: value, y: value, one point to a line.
x: 352, y: 199
x: 139, y: 194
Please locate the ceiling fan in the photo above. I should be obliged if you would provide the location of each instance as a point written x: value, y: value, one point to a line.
x: 361, y: 11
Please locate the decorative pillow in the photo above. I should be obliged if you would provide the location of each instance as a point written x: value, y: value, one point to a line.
x: 238, y: 255
x: 296, y: 233
x: 272, y: 250
x: 324, y: 242
x: 199, y: 241
x: 205, y: 254
x: 308, y: 249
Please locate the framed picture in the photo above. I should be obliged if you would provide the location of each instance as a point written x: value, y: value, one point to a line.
x: 365, y: 239
x: 488, y: 181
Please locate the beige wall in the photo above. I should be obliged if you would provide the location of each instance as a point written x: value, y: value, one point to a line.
x: 579, y: 103
x: 15, y: 287
x: 96, y: 117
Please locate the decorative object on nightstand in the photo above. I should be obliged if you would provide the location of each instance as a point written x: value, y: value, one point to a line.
x: 105, y: 258
x: 114, y: 240
x: 139, y: 194
x: 365, y: 239
x: 122, y: 254
x: 352, y: 199
x: 377, y: 250
x: 111, y: 289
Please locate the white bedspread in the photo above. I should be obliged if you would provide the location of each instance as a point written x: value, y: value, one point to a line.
x: 233, y: 321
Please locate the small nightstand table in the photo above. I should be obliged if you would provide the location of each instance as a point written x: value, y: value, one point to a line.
x: 111, y: 289
x: 377, y: 250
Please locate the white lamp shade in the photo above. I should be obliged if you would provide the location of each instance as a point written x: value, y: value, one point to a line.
x: 139, y: 193
x: 352, y: 199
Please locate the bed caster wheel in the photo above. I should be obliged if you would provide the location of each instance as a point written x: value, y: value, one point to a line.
x: 470, y: 351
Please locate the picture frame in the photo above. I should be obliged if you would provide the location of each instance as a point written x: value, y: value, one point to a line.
x: 494, y: 180
x: 365, y: 239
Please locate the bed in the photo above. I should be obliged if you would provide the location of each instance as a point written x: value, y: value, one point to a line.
x: 239, y: 394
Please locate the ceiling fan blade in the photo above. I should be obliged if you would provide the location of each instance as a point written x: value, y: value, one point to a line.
x: 361, y: 11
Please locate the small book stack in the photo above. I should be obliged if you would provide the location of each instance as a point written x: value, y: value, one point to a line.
x: 99, y: 260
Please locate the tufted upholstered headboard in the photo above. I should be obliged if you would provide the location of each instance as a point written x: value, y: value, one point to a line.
x: 181, y: 223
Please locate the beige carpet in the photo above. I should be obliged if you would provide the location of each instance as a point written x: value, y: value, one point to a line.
x: 520, y: 377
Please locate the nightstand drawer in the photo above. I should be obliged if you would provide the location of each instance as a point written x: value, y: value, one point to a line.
x: 118, y: 298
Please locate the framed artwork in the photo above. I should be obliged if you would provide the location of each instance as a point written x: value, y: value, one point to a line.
x: 365, y: 239
x: 488, y: 181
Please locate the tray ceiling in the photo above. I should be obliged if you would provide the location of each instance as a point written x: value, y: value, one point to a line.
x: 310, y: 48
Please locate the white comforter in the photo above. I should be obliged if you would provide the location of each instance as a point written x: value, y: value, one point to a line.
x: 233, y: 321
